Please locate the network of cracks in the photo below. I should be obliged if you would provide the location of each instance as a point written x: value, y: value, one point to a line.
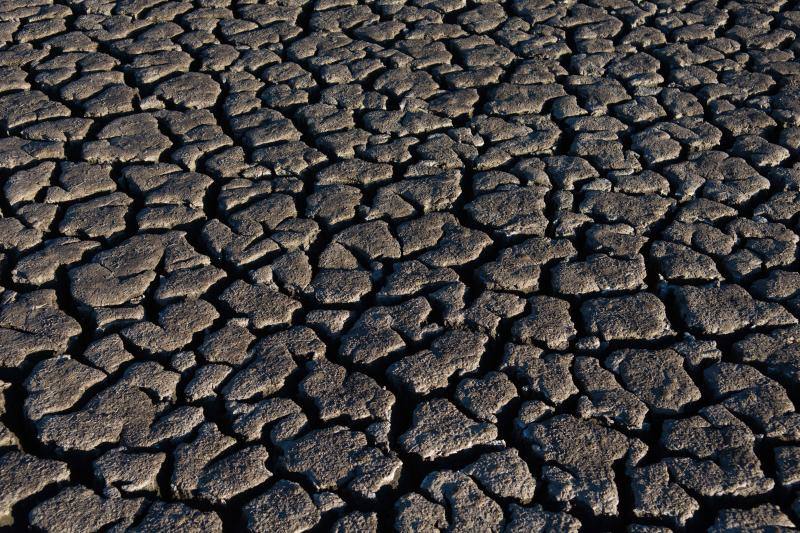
x: 412, y: 265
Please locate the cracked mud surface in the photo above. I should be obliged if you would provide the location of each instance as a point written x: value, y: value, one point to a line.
x: 400, y: 265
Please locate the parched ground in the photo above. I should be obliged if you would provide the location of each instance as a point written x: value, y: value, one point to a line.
x: 422, y: 265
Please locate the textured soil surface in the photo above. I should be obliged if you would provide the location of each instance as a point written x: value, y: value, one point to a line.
x: 412, y: 265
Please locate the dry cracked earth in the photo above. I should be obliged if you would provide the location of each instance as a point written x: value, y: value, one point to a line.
x: 412, y: 265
